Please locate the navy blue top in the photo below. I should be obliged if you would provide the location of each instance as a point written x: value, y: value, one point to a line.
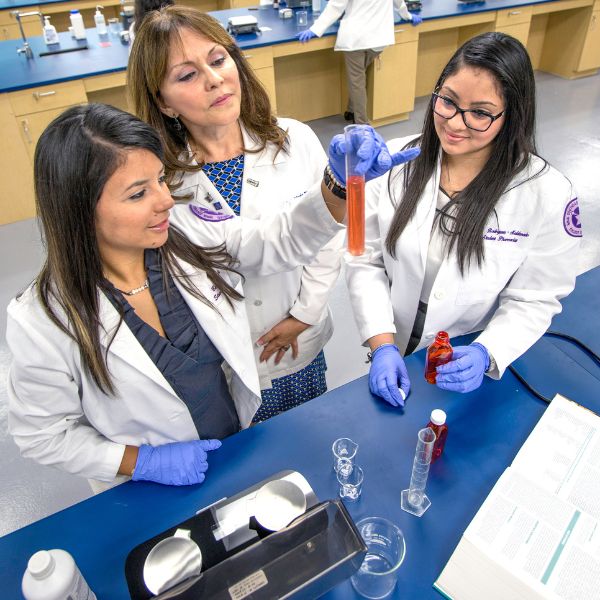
x: 186, y: 357
x: 226, y: 176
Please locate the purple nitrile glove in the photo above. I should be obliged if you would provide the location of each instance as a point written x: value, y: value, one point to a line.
x: 416, y: 20
x: 464, y: 373
x: 306, y: 35
x: 388, y: 373
x: 371, y: 149
x: 178, y: 463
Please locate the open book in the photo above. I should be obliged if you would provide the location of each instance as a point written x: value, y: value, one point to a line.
x: 537, y: 535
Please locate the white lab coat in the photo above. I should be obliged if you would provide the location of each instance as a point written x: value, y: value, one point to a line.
x: 58, y: 416
x: 272, y: 183
x: 365, y: 24
x: 529, y: 265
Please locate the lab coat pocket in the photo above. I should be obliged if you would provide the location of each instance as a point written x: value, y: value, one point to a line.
x: 483, y: 284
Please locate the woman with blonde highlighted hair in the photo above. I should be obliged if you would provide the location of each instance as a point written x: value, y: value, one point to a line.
x: 226, y: 151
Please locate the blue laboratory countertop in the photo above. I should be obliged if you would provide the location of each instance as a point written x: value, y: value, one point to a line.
x: 108, y: 55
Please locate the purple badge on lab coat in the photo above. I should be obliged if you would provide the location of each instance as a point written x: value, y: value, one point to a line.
x: 571, y: 220
x: 209, y: 215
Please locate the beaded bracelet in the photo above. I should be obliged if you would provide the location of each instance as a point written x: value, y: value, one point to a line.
x: 332, y: 184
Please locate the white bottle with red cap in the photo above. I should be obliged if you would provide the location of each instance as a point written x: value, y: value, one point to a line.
x: 53, y: 575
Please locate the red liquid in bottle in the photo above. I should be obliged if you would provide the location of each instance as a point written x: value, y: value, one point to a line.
x: 438, y: 424
x: 439, y: 353
x: 355, y: 202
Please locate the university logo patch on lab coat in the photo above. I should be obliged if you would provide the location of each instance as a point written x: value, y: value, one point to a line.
x: 209, y: 215
x: 571, y: 220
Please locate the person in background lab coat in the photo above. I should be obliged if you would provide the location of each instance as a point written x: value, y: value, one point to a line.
x: 131, y: 350
x: 366, y: 28
x: 478, y: 233
x: 227, y: 152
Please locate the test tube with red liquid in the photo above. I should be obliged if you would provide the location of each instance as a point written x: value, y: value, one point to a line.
x: 355, y: 192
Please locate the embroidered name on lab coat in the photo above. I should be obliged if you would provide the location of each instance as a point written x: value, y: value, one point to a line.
x: 504, y: 235
x: 216, y: 292
x: 252, y: 182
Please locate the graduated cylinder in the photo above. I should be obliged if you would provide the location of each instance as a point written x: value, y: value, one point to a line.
x: 355, y: 191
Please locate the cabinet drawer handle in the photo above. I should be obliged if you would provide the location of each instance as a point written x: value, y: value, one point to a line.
x: 513, y: 13
x: 25, y: 127
x: 38, y: 95
x: 399, y: 30
x: 247, y: 55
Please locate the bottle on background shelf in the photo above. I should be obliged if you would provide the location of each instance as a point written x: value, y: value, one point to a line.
x: 100, y: 21
x: 50, y: 35
x: 77, y: 25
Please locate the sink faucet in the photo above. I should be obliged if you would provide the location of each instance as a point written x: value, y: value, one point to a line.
x: 26, y: 49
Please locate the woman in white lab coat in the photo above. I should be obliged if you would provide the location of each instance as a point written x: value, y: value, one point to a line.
x: 131, y: 351
x: 227, y: 152
x: 478, y: 233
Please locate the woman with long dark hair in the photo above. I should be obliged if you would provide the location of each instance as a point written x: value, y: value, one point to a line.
x: 477, y: 233
x: 131, y: 350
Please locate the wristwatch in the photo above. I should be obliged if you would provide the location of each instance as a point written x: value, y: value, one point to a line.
x: 332, y: 184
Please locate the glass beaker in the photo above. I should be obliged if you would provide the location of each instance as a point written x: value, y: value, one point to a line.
x: 344, y: 451
x: 301, y: 18
x: 114, y: 26
x: 386, y: 549
x: 350, y: 484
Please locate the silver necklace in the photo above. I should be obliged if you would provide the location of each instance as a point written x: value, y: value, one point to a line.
x: 136, y: 290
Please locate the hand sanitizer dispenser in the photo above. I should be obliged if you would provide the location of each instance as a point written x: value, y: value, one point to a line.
x: 50, y: 35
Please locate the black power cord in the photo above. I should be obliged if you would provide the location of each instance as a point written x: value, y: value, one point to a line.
x: 563, y: 336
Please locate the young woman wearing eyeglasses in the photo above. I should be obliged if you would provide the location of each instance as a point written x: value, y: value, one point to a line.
x: 476, y: 234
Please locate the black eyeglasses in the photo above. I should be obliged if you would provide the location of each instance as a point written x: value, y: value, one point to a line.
x: 473, y: 118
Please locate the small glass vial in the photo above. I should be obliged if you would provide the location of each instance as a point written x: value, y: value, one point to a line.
x: 439, y: 353
x: 437, y: 422
x: 53, y: 575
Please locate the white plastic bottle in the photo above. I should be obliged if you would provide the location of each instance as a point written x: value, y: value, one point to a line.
x: 50, y: 35
x: 53, y: 575
x: 100, y: 21
x: 77, y: 24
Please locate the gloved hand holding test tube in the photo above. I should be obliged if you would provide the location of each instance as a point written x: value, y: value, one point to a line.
x: 355, y: 158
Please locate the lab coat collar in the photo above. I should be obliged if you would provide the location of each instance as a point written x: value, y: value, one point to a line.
x: 221, y: 326
x: 125, y: 345
x: 265, y: 157
x: 425, y: 212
